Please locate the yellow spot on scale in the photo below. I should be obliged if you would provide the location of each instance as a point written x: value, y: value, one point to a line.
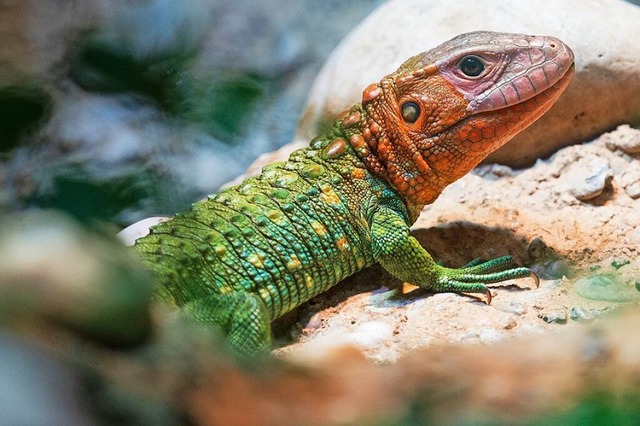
x: 293, y: 263
x: 225, y: 290
x: 328, y: 195
x: 264, y: 294
x: 274, y: 214
x: 276, y: 217
x: 319, y: 228
x: 357, y: 174
x: 342, y: 244
x: 312, y: 170
x: 308, y: 280
x: 256, y: 260
x: 285, y: 180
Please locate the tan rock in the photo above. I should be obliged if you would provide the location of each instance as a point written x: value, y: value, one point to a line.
x: 602, y: 33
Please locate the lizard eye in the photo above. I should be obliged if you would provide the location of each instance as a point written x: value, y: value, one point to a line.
x: 471, y: 66
x: 410, y: 112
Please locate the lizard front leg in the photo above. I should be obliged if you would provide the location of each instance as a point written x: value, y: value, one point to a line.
x: 402, y: 255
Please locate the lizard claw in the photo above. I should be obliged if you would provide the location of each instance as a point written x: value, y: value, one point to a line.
x: 487, y: 293
x: 536, y: 280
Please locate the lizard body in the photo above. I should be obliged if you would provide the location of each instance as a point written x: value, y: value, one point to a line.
x: 253, y: 252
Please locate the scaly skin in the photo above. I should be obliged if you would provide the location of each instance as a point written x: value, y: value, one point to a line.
x: 253, y: 252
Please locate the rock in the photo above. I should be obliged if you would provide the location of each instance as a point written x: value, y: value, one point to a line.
x: 578, y: 313
x: 131, y: 233
x: 630, y: 180
x: 604, y: 287
x: 602, y: 33
x: 625, y: 138
x: 547, y: 264
x: 40, y: 35
x: 178, y: 88
x: 589, y: 177
x: 555, y: 317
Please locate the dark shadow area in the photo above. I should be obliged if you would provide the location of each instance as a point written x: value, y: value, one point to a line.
x: 457, y: 243
x: 22, y: 110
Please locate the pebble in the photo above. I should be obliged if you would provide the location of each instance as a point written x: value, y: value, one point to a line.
x: 552, y: 270
x: 589, y: 178
x: 603, y: 287
x: 578, y: 313
x: 495, y: 171
x: 625, y: 138
x: 554, y: 317
x: 538, y: 249
x: 630, y: 181
x: 509, y: 323
x: 619, y: 263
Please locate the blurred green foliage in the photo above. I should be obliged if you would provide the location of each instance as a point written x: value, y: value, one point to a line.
x: 221, y: 105
x: 87, y: 198
x: 598, y: 407
x: 102, y: 67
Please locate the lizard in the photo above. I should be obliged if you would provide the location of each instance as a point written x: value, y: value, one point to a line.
x: 248, y: 254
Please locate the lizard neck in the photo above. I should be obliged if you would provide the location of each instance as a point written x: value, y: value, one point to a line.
x: 412, y: 178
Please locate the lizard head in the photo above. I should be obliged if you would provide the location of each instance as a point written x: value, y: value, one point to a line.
x: 443, y: 111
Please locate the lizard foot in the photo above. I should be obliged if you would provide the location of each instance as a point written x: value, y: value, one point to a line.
x: 473, y: 277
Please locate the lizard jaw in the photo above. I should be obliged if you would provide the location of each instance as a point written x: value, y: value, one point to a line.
x: 489, y: 130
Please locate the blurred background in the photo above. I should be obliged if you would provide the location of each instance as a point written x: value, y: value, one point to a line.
x: 118, y: 109
x: 112, y: 111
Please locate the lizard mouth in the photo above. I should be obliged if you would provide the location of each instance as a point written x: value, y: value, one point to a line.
x: 486, y: 131
x: 551, y: 93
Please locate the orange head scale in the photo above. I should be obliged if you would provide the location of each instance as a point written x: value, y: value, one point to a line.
x: 445, y: 110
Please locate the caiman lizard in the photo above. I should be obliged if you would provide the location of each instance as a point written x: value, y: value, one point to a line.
x: 250, y: 253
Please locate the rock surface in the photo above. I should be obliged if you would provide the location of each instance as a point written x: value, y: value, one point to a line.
x: 602, y: 33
